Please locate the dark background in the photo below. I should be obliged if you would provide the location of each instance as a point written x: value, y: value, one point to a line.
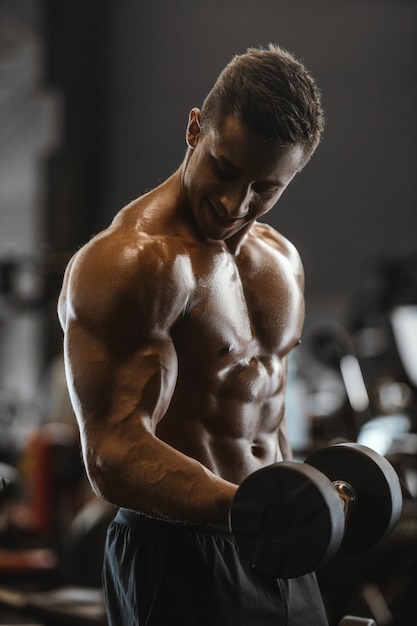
x: 122, y: 77
x: 149, y: 63
x: 94, y: 100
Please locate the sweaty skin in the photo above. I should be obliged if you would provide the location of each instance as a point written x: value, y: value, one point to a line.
x: 178, y: 321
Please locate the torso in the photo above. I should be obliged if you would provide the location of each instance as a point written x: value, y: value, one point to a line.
x: 244, y: 315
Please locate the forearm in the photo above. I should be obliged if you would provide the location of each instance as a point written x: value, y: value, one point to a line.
x: 154, y: 478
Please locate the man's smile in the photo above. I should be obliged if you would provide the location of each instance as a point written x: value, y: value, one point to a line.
x: 223, y: 219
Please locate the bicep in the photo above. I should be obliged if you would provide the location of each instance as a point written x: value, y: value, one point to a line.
x: 114, y: 388
x: 120, y: 305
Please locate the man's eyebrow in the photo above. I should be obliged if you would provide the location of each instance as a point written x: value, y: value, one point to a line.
x: 229, y: 164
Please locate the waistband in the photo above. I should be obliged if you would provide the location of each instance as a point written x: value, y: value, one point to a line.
x: 134, y: 519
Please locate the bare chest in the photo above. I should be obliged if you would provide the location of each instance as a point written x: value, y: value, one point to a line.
x: 244, y: 301
x: 245, y: 315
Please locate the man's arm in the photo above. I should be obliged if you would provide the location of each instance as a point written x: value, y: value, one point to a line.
x: 117, y: 310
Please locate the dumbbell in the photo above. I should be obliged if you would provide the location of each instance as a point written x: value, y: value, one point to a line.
x: 291, y: 518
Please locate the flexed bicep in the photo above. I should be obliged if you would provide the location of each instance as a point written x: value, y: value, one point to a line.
x: 120, y: 356
x: 113, y: 388
x: 117, y: 313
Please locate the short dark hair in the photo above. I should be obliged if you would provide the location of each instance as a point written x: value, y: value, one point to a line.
x: 273, y: 93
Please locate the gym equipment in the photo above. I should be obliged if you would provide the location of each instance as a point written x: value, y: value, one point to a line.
x: 350, y: 620
x: 290, y: 518
x: 9, y: 478
x: 66, y: 606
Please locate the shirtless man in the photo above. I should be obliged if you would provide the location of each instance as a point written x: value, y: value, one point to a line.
x: 178, y: 322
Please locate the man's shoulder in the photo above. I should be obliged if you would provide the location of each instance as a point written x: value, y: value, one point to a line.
x: 125, y: 262
x: 274, y: 243
x: 116, y: 273
x: 128, y: 250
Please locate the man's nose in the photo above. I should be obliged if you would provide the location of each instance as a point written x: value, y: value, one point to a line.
x: 236, y: 201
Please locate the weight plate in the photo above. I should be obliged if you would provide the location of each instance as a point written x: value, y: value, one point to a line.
x: 379, y: 496
x: 287, y: 519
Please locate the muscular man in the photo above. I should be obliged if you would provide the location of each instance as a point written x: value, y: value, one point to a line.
x: 178, y: 322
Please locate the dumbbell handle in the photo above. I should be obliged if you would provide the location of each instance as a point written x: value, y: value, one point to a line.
x: 347, y: 495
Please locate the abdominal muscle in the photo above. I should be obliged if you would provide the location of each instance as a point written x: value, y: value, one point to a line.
x: 231, y: 425
x: 228, y: 405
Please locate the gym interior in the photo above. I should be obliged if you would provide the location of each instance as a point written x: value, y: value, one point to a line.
x: 94, y: 104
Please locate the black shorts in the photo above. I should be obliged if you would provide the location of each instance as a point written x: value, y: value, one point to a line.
x: 162, y: 573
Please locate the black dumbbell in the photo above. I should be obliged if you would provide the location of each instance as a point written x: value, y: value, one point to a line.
x: 290, y: 518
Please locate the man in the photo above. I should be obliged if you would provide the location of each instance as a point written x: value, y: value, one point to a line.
x: 178, y: 322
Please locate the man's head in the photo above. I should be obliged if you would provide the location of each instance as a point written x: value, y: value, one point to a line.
x: 271, y: 92
x: 257, y: 129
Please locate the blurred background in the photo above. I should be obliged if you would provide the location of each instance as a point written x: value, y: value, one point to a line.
x: 94, y: 99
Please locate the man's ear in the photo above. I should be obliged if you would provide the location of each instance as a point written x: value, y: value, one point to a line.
x: 193, y: 128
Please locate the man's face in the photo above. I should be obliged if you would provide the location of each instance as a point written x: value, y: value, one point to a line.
x: 232, y: 176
